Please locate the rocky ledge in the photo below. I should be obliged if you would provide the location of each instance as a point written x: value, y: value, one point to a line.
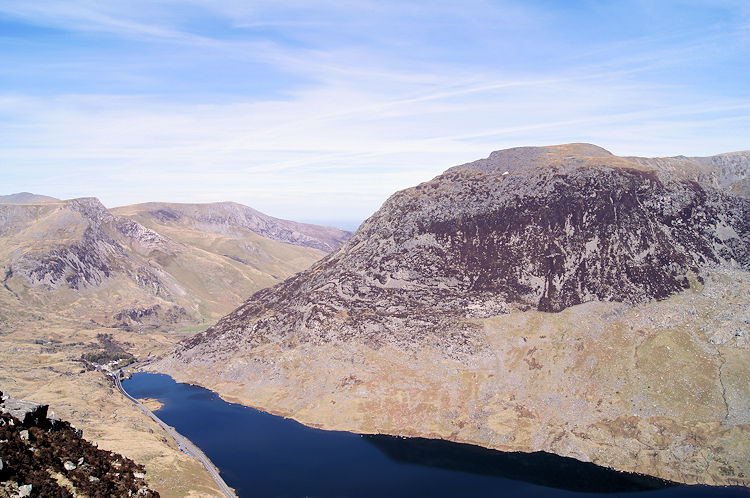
x: 556, y: 299
x: 44, y: 456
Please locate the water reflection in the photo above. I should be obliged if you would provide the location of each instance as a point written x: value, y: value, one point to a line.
x: 263, y: 455
x: 541, y: 469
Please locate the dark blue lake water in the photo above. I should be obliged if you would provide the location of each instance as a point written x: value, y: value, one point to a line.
x: 264, y: 455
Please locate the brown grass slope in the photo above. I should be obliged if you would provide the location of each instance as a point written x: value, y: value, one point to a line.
x: 75, y: 257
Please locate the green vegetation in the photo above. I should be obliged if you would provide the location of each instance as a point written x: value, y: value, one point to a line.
x: 109, y: 350
x: 195, y: 329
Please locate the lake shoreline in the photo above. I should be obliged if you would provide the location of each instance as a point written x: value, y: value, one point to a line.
x: 487, y: 467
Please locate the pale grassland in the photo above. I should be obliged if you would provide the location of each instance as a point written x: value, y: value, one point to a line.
x: 195, y: 329
x: 38, y: 362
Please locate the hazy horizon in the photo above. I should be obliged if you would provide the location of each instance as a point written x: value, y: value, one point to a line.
x: 305, y: 112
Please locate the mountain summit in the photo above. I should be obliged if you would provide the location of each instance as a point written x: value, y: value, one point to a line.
x: 545, y: 298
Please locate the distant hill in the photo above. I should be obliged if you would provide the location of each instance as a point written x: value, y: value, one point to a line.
x: 167, y: 265
x: 26, y: 198
x: 232, y: 219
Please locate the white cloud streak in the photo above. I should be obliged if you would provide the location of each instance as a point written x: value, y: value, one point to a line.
x: 361, y: 126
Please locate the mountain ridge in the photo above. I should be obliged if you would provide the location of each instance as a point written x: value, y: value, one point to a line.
x: 223, y: 214
x: 26, y: 198
x: 78, y: 248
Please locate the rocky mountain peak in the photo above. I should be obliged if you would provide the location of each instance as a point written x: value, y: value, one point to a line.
x: 556, y: 156
x: 90, y: 208
x: 556, y: 298
x: 477, y: 241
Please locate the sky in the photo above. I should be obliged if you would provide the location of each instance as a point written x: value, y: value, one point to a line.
x: 319, y: 110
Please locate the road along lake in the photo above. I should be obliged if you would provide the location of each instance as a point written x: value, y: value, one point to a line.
x: 260, y: 454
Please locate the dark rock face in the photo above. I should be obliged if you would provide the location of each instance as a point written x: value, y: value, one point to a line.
x: 84, y: 263
x: 35, y: 448
x: 607, y: 235
x: 540, y: 228
x: 165, y: 215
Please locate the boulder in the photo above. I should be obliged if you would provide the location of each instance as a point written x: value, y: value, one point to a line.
x: 28, y: 412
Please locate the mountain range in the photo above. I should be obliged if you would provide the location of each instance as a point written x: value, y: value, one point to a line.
x: 146, y: 265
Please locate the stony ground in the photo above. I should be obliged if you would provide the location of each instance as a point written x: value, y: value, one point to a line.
x: 47, y: 457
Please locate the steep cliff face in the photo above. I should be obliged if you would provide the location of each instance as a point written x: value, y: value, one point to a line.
x: 521, y: 302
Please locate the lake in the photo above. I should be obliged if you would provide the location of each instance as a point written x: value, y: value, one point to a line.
x: 259, y: 454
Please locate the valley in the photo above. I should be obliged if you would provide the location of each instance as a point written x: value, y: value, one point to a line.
x: 82, y: 281
x: 557, y: 299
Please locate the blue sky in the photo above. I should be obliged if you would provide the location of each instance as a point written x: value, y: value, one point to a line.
x: 320, y: 110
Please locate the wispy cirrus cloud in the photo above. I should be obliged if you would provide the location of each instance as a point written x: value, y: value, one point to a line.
x: 312, y: 112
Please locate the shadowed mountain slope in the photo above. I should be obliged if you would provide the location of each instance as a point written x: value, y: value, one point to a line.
x: 521, y: 302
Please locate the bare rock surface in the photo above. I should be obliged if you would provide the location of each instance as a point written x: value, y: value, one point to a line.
x: 554, y: 298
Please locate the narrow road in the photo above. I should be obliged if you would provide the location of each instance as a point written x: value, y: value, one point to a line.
x: 183, y: 443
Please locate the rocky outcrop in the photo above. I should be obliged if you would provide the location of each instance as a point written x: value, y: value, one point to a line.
x: 145, y: 241
x: 153, y: 315
x: 27, y: 413
x: 86, y: 256
x: 44, y: 456
x: 520, y: 302
x: 86, y: 262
